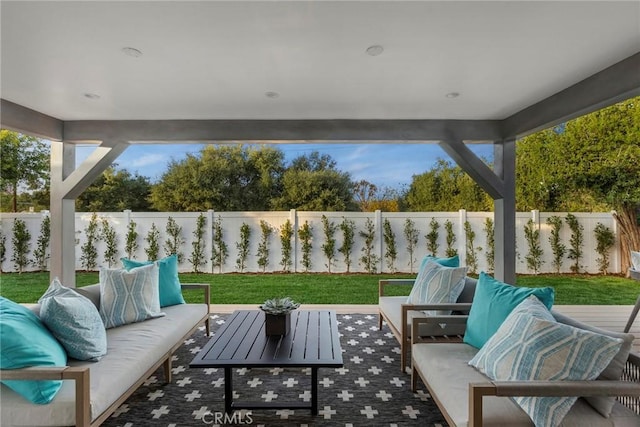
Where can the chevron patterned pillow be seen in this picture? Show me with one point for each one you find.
(531, 345)
(437, 284)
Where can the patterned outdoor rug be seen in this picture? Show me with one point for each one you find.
(369, 390)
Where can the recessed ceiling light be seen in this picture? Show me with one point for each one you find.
(374, 50)
(452, 95)
(272, 95)
(132, 51)
(91, 96)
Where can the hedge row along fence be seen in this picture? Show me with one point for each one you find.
(331, 242)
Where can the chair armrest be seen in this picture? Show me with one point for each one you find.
(78, 374)
(417, 321)
(204, 286)
(382, 283)
(544, 388)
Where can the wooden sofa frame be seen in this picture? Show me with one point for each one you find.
(81, 375)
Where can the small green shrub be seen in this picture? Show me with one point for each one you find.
(390, 253)
(286, 234)
(174, 240)
(243, 247)
(20, 240)
(41, 253)
(490, 253)
(451, 239)
(329, 246)
(432, 237)
(88, 251)
(558, 249)
(263, 246)
(606, 239)
(534, 255)
(305, 233)
(470, 249)
(576, 241)
(153, 243)
(369, 259)
(197, 245)
(411, 236)
(220, 250)
(348, 228)
(131, 240)
(110, 238)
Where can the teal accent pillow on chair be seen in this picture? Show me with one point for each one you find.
(25, 342)
(493, 302)
(170, 290)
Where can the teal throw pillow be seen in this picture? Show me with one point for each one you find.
(170, 290)
(493, 302)
(25, 342)
(75, 321)
(453, 261)
(129, 296)
(530, 345)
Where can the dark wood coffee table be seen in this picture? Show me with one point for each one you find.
(313, 342)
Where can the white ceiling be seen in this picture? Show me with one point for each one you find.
(217, 60)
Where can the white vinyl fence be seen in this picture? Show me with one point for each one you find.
(232, 221)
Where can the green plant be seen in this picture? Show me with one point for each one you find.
(20, 241)
(153, 243)
(606, 240)
(111, 240)
(391, 252)
(348, 228)
(279, 306)
(369, 259)
(197, 253)
(306, 235)
(557, 247)
(3, 247)
(286, 233)
(576, 241)
(490, 253)
(131, 240)
(534, 256)
(451, 239)
(329, 246)
(411, 236)
(243, 247)
(470, 249)
(174, 240)
(263, 246)
(220, 250)
(432, 237)
(41, 252)
(89, 253)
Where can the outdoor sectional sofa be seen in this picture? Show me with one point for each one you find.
(444, 369)
(92, 391)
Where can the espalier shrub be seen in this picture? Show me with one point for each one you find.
(348, 228)
(20, 241)
(558, 249)
(41, 253)
(605, 241)
(390, 253)
(243, 247)
(88, 251)
(470, 249)
(3, 247)
(411, 236)
(286, 233)
(153, 243)
(174, 240)
(220, 250)
(534, 255)
(305, 233)
(369, 259)
(110, 238)
(263, 247)
(576, 241)
(451, 239)
(329, 246)
(432, 237)
(131, 240)
(197, 258)
(490, 253)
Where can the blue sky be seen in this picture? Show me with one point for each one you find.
(385, 165)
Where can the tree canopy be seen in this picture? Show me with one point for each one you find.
(24, 162)
(116, 190)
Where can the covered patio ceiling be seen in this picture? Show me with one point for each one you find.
(450, 72)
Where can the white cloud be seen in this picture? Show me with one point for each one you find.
(148, 159)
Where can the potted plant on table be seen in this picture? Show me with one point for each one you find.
(278, 315)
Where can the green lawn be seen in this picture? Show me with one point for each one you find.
(335, 288)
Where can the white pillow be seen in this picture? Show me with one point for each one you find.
(530, 346)
(437, 284)
(129, 296)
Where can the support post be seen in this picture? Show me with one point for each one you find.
(505, 212)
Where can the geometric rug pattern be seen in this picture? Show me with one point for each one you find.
(370, 390)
